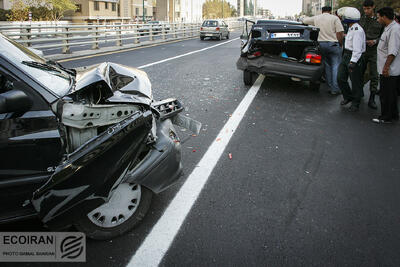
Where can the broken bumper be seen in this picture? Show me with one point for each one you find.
(279, 67)
(162, 166)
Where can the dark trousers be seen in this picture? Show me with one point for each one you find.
(354, 93)
(370, 58)
(388, 98)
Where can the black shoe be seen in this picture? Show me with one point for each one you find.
(377, 120)
(353, 108)
(335, 92)
(344, 102)
(371, 101)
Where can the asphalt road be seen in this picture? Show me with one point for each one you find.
(308, 183)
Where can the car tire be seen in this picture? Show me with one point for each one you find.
(315, 86)
(247, 77)
(227, 36)
(202, 38)
(220, 37)
(92, 226)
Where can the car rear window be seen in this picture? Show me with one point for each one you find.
(210, 23)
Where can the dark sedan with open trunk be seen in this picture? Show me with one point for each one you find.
(281, 48)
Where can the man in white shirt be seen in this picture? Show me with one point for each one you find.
(388, 66)
(330, 40)
(352, 61)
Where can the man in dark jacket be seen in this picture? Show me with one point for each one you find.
(373, 31)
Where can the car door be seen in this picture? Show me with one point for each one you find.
(30, 143)
(225, 28)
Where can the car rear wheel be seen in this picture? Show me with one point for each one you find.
(125, 209)
(220, 37)
(202, 38)
(315, 86)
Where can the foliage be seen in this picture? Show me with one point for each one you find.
(395, 4)
(250, 10)
(4, 14)
(19, 11)
(40, 9)
(58, 7)
(212, 9)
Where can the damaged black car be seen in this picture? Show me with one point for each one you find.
(83, 147)
(280, 48)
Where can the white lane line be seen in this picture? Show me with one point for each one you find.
(186, 54)
(156, 244)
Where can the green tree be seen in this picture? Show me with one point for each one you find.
(58, 7)
(4, 14)
(251, 8)
(19, 11)
(246, 8)
(212, 9)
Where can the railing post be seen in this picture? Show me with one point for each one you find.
(163, 31)
(184, 29)
(119, 37)
(66, 48)
(150, 33)
(95, 44)
(27, 35)
(136, 33)
(175, 33)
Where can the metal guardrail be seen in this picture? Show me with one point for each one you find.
(67, 36)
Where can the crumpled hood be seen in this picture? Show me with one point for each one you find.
(117, 83)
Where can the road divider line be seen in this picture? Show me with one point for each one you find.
(186, 54)
(155, 246)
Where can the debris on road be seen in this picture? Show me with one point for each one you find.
(230, 155)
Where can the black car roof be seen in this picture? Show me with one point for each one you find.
(270, 21)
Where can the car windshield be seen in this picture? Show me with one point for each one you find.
(50, 76)
(210, 23)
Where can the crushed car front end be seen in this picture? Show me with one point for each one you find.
(113, 133)
(95, 144)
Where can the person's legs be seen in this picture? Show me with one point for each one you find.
(357, 83)
(393, 110)
(373, 71)
(324, 46)
(343, 76)
(336, 58)
(384, 96)
(373, 75)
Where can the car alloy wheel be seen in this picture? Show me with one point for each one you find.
(121, 206)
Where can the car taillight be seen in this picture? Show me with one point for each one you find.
(217, 29)
(313, 58)
(255, 54)
(201, 28)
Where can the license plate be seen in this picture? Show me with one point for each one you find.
(284, 34)
(209, 35)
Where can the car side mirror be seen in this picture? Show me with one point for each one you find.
(14, 101)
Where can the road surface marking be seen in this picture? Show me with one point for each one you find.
(152, 250)
(128, 49)
(186, 54)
